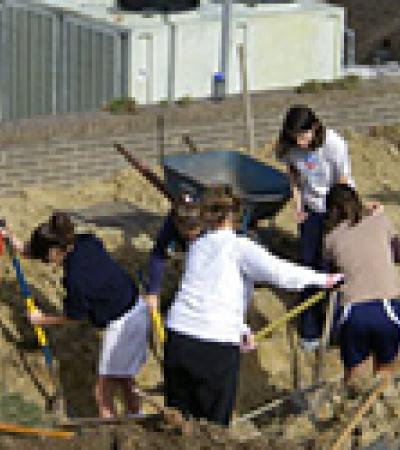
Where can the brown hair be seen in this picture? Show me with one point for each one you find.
(217, 203)
(186, 214)
(343, 205)
(58, 231)
(299, 119)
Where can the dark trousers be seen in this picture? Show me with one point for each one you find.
(311, 232)
(201, 377)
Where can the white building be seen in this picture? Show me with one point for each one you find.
(167, 57)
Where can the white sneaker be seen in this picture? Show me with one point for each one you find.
(309, 345)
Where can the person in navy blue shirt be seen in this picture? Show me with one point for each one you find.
(99, 290)
(179, 228)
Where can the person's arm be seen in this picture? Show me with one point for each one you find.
(41, 319)
(299, 212)
(159, 254)
(259, 264)
(396, 248)
(341, 160)
(392, 236)
(75, 304)
(18, 245)
(245, 332)
(327, 260)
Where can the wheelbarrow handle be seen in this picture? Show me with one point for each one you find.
(145, 171)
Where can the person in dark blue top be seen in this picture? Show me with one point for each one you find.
(99, 290)
(181, 226)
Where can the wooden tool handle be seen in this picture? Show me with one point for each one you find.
(363, 409)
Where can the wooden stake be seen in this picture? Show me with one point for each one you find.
(79, 422)
(187, 140)
(249, 121)
(294, 356)
(363, 409)
(161, 138)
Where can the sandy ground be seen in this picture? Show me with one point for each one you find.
(126, 212)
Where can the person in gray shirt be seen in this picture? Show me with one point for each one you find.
(316, 159)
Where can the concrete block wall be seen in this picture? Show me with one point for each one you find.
(52, 151)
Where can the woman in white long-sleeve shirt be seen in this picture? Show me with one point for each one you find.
(205, 322)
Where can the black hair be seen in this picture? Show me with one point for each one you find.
(299, 119)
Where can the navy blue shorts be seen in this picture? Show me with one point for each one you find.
(368, 331)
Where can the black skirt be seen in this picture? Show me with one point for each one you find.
(201, 377)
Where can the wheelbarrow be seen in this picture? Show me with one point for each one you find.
(262, 189)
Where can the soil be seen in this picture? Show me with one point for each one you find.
(126, 213)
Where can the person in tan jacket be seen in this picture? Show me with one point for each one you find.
(362, 245)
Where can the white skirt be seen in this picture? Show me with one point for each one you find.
(124, 346)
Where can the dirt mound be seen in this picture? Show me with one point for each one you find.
(127, 213)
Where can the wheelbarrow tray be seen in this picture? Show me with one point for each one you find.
(262, 189)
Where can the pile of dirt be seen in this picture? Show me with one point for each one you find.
(126, 213)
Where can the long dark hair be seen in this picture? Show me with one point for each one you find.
(299, 118)
(217, 203)
(58, 231)
(343, 204)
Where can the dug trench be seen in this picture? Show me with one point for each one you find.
(126, 213)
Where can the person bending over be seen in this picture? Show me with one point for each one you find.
(97, 289)
(365, 248)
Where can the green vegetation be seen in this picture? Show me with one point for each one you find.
(315, 86)
(125, 105)
(184, 101)
(14, 409)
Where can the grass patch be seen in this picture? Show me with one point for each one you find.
(121, 106)
(315, 86)
(15, 409)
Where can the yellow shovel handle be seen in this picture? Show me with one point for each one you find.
(39, 332)
(20, 429)
(158, 326)
(290, 315)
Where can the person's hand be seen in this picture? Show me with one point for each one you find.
(374, 207)
(151, 300)
(333, 279)
(36, 317)
(247, 342)
(5, 232)
(300, 216)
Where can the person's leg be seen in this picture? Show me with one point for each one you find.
(355, 343)
(386, 340)
(122, 354)
(225, 394)
(310, 322)
(178, 382)
(104, 392)
(131, 399)
(356, 372)
(217, 376)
